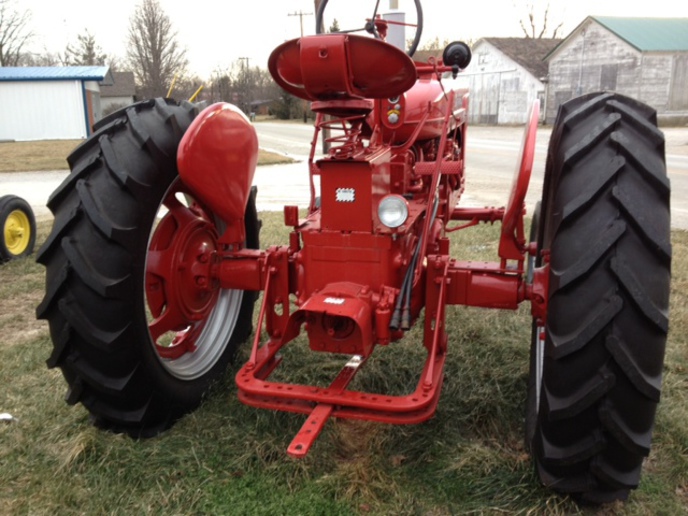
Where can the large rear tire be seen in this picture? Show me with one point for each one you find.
(137, 340)
(606, 232)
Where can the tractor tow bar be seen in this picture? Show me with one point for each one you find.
(321, 403)
(312, 427)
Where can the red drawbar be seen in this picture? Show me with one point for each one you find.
(320, 403)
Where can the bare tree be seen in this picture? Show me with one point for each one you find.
(242, 85)
(221, 85)
(185, 87)
(86, 52)
(153, 52)
(238, 84)
(433, 45)
(116, 64)
(44, 58)
(536, 29)
(14, 33)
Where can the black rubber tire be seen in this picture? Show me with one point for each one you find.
(95, 260)
(606, 225)
(320, 29)
(12, 207)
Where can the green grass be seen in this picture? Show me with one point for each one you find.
(227, 458)
(52, 155)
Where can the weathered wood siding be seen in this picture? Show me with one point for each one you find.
(595, 59)
(501, 91)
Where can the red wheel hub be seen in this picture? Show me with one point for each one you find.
(181, 277)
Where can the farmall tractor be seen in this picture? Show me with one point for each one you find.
(153, 264)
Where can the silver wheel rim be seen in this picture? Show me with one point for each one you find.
(217, 330)
(539, 363)
(212, 341)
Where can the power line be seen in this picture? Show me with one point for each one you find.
(300, 14)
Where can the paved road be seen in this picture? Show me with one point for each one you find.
(492, 156)
(491, 161)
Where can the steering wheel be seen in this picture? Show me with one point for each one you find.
(371, 26)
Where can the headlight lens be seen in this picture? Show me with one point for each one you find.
(393, 211)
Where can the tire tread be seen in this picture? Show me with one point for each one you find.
(606, 226)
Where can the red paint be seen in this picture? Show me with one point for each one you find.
(217, 159)
(344, 279)
(181, 282)
(512, 242)
(341, 66)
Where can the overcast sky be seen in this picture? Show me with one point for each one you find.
(216, 34)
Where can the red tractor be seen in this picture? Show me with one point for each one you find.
(153, 264)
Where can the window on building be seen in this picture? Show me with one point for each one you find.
(678, 93)
(608, 77)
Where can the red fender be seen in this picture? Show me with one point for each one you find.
(217, 160)
(512, 242)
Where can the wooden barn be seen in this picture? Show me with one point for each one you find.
(49, 103)
(644, 58)
(505, 77)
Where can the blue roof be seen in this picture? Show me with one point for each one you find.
(53, 73)
(649, 34)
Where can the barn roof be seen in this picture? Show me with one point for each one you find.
(527, 52)
(649, 34)
(53, 73)
(644, 34)
(123, 85)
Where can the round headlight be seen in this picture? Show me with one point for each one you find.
(393, 211)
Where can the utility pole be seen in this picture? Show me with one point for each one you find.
(300, 14)
(245, 86)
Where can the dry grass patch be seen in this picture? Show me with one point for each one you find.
(39, 155)
(52, 155)
(272, 158)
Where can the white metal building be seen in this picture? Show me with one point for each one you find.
(49, 103)
(505, 77)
